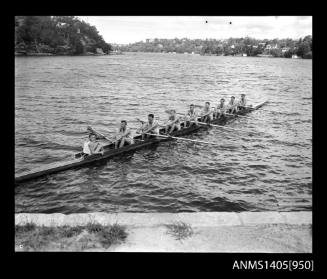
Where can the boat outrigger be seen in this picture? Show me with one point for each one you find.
(110, 151)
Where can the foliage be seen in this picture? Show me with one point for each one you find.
(112, 235)
(308, 55)
(231, 46)
(28, 227)
(57, 34)
(288, 54)
(179, 230)
(304, 47)
(30, 237)
(276, 52)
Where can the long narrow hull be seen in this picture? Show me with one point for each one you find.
(111, 152)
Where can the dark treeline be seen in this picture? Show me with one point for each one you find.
(57, 35)
(232, 46)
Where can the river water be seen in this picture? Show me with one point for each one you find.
(266, 165)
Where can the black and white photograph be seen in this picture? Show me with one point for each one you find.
(163, 133)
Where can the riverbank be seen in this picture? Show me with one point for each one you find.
(210, 54)
(268, 232)
(64, 54)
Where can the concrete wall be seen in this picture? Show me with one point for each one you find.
(197, 219)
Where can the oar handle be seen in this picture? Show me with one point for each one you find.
(105, 137)
(96, 132)
(138, 119)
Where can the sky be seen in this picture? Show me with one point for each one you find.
(131, 29)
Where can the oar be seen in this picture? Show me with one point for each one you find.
(220, 126)
(92, 130)
(252, 108)
(271, 111)
(138, 119)
(213, 125)
(241, 116)
(178, 138)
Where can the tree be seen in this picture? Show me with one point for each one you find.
(57, 33)
(276, 52)
(303, 48)
(30, 29)
(308, 55)
(288, 54)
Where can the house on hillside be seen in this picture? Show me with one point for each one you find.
(284, 49)
(61, 24)
(99, 51)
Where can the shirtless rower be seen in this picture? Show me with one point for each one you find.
(124, 135)
(220, 109)
(152, 127)
(232, 105)
(173, 122)
(206, 114)
(191, 116)
(242, 103)
(92, 146)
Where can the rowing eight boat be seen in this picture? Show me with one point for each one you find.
(110, 151)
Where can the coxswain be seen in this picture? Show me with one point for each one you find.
(124, 135)
(220, 110)
(151, 127)
(241, 103)
(173, 122)
(206, 114)
(191, 116)
(92, 146)
(232, 105)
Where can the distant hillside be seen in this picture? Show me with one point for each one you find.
(57, 35)
(233, 46)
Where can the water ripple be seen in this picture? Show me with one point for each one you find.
(262, 165)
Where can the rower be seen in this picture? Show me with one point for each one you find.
(191, 115)
(241, 105)
(124, 135)
(232, 106)
(152, 127)
(206, 114)
(92, 146)
(173, 122)
(220, 109)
